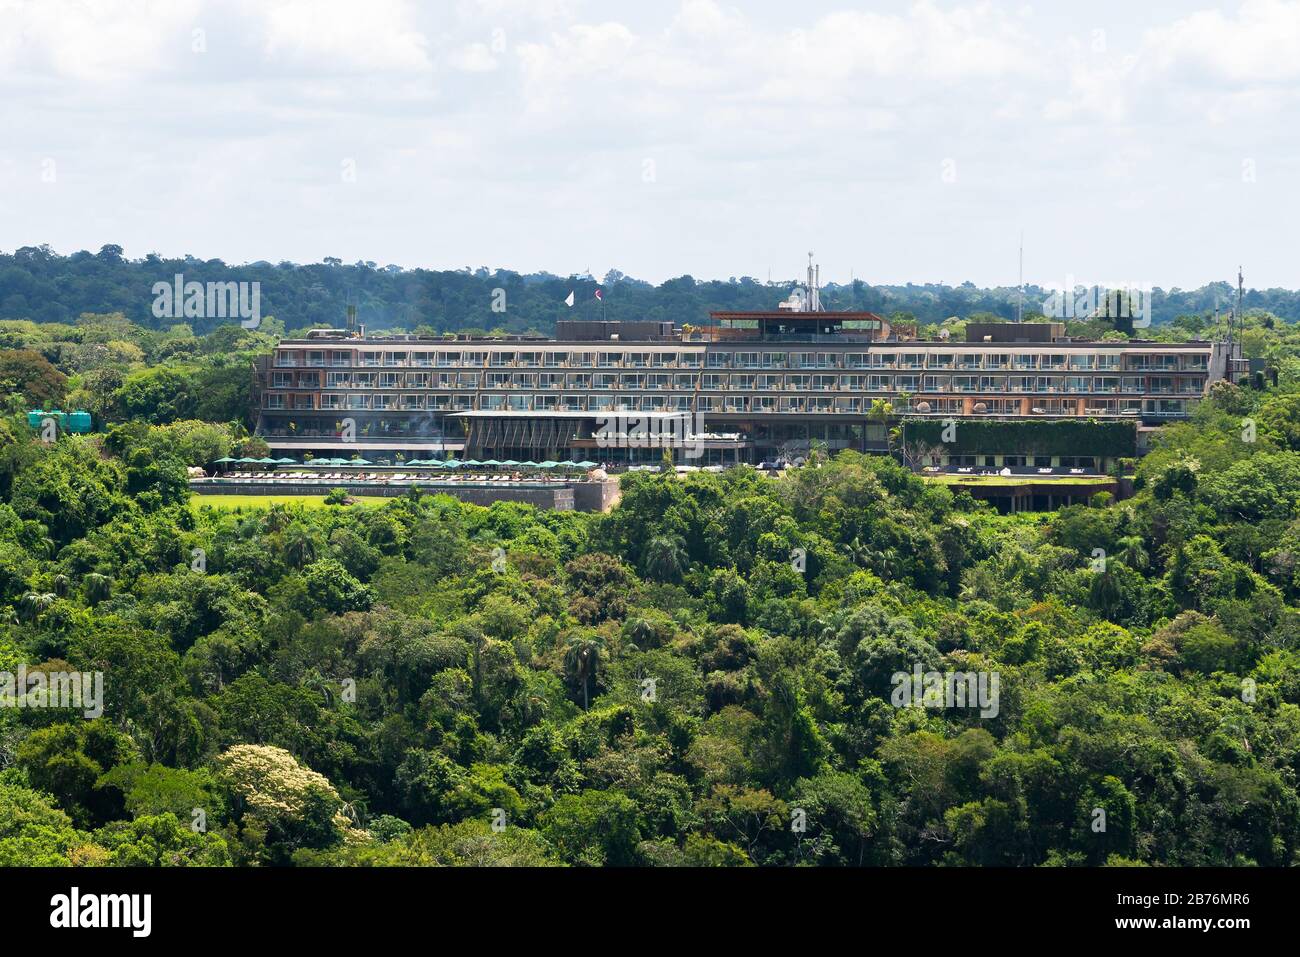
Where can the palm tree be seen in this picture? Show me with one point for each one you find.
(581, 662)
(34, 604)
(98, 588)
(665, 558)
(299, 545)
(1132, 552)
(61, 585)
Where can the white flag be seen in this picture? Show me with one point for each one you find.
(569, 301)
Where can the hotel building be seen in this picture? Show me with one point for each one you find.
(751, 386)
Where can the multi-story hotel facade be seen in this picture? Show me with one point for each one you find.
(752, 386)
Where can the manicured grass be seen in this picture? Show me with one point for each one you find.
(998, 480)
(266, 501)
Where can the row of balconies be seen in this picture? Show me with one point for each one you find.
(714, 361)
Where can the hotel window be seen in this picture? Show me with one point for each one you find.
(530, 359)
(394, 358)
(747, 360)
(940, 360)
(556, 360)
(764, 403)
(546, 402)
(338, 380)
(383, 402)
(911, 360)
(286, 359)
(274, 401)
(499, 359)
(735, 403)
(855, 360)
(390, 380)
(582, 360)
(691, 360)
(969, 361)
(316, 359)
(1025, 360)
(417, 380)
(410, 402)
(794, 403)
(718, 360)
(936, 383)
(906, 383)
(633, 381)
(422, 360)
(879, 383)
(493, 403)
(799, 382)
(606, 380)
(601, 402)
(1082, 363)
(552, 380)
(575, 403)
(519, 403)
(1134, 384)
(524, 380)
(745, 382)
(997, 360)
(637, 360)
(498, 380)
(610, 360)
(774, 360)
(663, 360)
(578, 380)
(705, 403)
(1107, 363)
(340, 359)
(714, 382)
(1107, 384)
(331, 402)
(448, 359)
(964, 383)
(853, 383)
(358, 401)
(364, 380)
(824, 382)
(993, 383)
(1078, 383)
(441, 403)
(684, 381)
(1046, 383)
(462, 403)
(282, 380)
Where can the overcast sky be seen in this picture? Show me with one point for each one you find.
(1148, 141)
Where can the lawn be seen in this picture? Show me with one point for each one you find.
(266, 501)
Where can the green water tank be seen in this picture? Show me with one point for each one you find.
(34, 418)
(80, 422)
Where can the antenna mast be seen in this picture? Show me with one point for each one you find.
(1020, 298)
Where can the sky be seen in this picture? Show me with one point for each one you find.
(1152, 142)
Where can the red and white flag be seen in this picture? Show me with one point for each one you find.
(568, 300)
(600, 295)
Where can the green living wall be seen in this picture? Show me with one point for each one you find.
(996, 437)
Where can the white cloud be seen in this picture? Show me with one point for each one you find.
(1257, 45)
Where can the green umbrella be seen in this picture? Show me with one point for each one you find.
(360, 462)
(549, 465)
(247, 461)
(286, 461)
(490, 462)
(471, 463)
(510, 463)
(450, 464)
(222, 461)
(528, 465)
(586, 465)
(266, 461)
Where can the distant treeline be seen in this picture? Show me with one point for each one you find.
(38, 284)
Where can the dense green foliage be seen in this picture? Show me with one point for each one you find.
(38, 284)
(682, 681)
